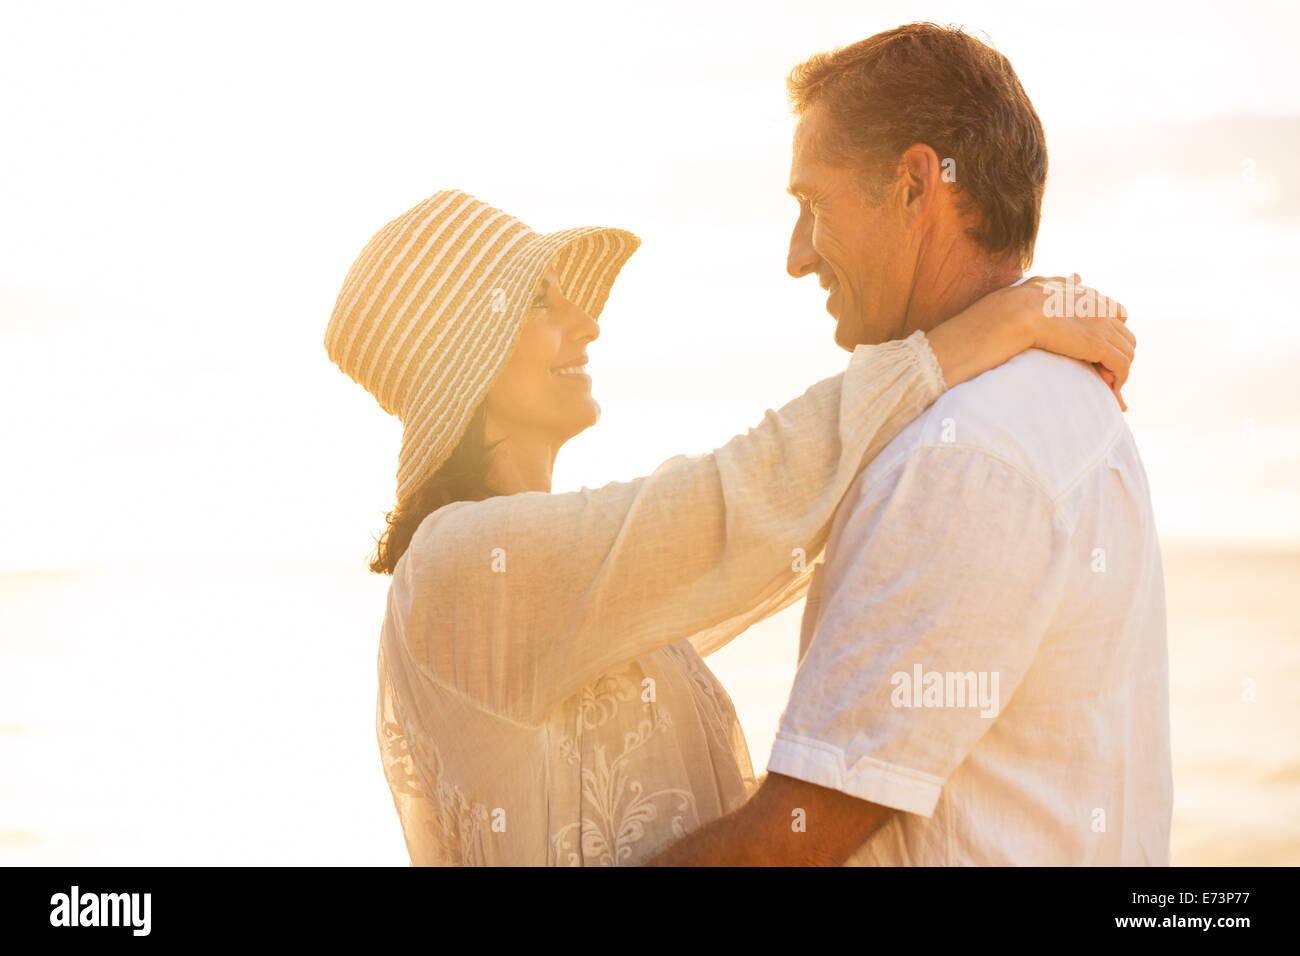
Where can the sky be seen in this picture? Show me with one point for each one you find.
(184, 187)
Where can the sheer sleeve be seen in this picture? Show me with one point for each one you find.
(519, 601)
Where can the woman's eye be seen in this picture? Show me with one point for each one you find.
(539, 302)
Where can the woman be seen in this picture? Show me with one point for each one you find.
(542, 698)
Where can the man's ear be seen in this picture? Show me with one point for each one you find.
(919, 172)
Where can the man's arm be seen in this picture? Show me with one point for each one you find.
(787, 822)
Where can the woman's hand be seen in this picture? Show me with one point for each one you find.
(1039, 313)
(1099, 335)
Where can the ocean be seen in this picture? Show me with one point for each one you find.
(222, 713)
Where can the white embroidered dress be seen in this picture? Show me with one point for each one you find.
(542, 697)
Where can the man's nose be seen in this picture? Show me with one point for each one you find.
(802, 258)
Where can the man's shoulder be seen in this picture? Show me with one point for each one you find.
(1044, 415)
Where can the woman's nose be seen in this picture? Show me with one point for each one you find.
(582, 326)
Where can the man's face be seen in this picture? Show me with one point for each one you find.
(859, 252)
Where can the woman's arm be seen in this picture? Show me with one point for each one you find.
(519, 601)
(1006, 322)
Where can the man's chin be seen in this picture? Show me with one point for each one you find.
(850, 334)
(845, 338)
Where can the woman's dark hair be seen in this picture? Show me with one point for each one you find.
(462, 477)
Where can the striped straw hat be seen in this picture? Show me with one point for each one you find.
(433, 306)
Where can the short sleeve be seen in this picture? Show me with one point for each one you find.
(940, 584)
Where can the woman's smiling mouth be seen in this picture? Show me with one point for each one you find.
(577, 373)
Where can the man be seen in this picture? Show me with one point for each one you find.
(983, 671)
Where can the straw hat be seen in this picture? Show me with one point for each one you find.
(433, 306)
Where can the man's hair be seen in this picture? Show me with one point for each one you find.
(925, 83)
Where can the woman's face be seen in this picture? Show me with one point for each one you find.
(544, 385)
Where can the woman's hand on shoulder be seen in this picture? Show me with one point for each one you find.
(1069, 318)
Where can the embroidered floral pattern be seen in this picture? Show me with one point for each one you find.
(414, 767)
(595, 704)
(616, 808)
(401, 773)
(598, 702)
(617, 801)
(462, 819)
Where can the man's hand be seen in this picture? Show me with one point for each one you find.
(787, 822)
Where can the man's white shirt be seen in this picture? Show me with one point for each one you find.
(984, 647)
